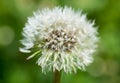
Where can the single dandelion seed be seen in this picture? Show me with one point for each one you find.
(63, 39)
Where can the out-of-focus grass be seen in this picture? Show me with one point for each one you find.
(14, 68)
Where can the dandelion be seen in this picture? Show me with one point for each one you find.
(62, 38)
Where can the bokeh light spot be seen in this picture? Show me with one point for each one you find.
(6, 35)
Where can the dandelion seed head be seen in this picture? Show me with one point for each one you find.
(63, 38)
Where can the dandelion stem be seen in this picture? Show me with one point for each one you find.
(57, 76)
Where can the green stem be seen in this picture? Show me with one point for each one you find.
(57, 76)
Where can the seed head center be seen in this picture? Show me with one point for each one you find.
(60, 40)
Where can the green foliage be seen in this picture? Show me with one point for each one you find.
(14, 68)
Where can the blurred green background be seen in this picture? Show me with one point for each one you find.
(14, 68)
